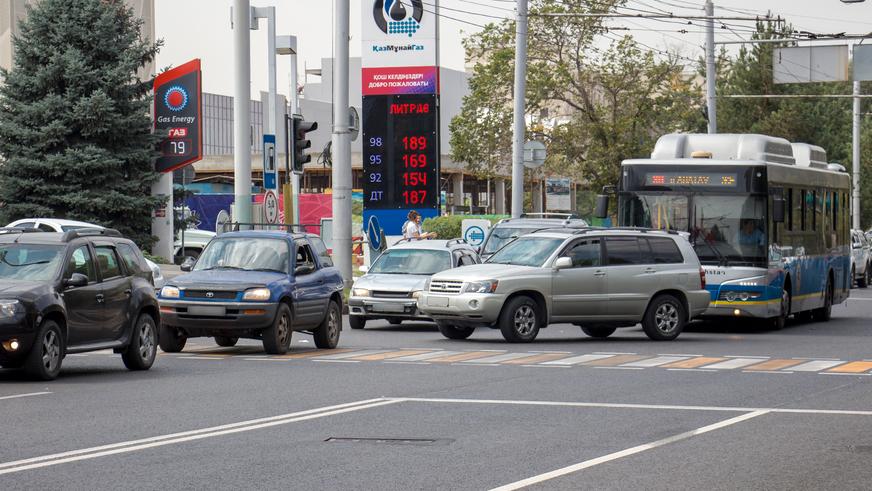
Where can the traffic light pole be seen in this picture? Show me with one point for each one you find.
(288, 197)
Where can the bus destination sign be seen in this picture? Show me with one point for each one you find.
(691, 179)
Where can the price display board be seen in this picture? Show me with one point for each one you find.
(400, 152)
(178, 117)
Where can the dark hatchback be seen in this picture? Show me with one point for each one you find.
(255, 284)
(83, 290)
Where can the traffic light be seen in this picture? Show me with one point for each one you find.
(300, 142)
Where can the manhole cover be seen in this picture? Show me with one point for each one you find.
(391, 441)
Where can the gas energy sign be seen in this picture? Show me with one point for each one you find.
(178, 117)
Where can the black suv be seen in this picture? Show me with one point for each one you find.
(82, 290)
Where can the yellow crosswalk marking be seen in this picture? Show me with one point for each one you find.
(853, 367)
(536, 358)
(774, 365)
(389, 355)
(614, 361)
(463, 356)
(694, 362)
(311, 353)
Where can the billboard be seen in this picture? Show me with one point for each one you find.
(807, 64)
(178, 117)
(557, 195)
(400, 120)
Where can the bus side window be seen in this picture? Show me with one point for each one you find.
(835, 210)
(802, 208)
(814, 210)
(789, 226)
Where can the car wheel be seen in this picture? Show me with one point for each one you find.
(779, 322)
(520, 320)
(171, 339)
(853, 276)
(601, 332)
(327, 334)
(192, 253)
(395, 321)
(664, 319)
(454, 332)
(863, 282)
(45, 357)
(277, 337)
(226, 341)
(356, 321)
(824, 313)
(142, 349)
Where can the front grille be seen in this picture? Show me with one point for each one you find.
(386, 294)
(449, 287)
(210, 294)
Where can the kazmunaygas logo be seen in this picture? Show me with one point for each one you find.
(401, 17)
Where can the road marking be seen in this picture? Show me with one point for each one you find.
(655, 362)
(612, 353)
(767, 371)
(536, 359)
(469, 355)
(196, 357)
(773, 365)
(186, 436)
(690, 370)
(854, 367)
(500, 358)
(312, 353)
(460, 364)
(19, 396)
(694, 362)
(336, 361)
(816, 366)
(614, 361)
(627, 452)
(678, 354)
(621, 368)
(427, 356)
(575, 360)
(733, 363)
(389, 355)
(546, 366)
(353, 354)
(407, 362)
(848, 374)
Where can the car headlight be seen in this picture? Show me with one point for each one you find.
(416, 294)
(8, 308)
(487, 286)
(257, 294)
(169, 292)
(360, 292)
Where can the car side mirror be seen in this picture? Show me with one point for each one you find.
(602, 206)
(76, 280)
(187, 265)
(563, 263)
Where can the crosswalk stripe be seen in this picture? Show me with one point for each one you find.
(853, 367)
(575, 360)
(539, 358)
(352, 354)
(614, 361)
(427, 356)
(500, 358)
(655, 362)
(773, 365)
(694, 362)
(312, 353)
(733, 363)
(816, 365)
(389, 355)
(469, 355)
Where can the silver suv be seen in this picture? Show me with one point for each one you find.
(861, 259)
(509, 229)
(599, 279)
(389, 290)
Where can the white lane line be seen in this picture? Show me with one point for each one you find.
(747, 356)
(575, 360)
(427, 356)
(766, 371)
(655, 362)
(733, 364)
(407, 362)
(499, 358)
(352, 354)
(19, 396)
(186, 436)
(621, 368)
(849, 374)
(546, 366)
(690, 370)
(336, 361)
(555, 352)
(625, 453)
(679, 354)
(612, 353)
(459, 364)
(201, 357)
(816, 365)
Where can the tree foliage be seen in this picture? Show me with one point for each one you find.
(75, 130)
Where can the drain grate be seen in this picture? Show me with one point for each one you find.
(391, 441)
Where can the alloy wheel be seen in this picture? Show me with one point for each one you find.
(51, 351)
(146, 341)
(283, 330)
(666, 318)
(525, 320)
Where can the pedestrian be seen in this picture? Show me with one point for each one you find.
(412, 228)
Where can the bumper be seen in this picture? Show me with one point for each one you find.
(377, 308)
(465, 309)
(698, 303)
(206, 318)
(16, 329)
(744, 309)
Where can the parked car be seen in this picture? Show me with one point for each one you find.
(255, 284)
(509, 229)
(194, 243)
(599, 279)
(390, 288)
(72, 292)
(861, 258)
(61, 226)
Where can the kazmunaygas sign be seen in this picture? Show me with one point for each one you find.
(399, 47)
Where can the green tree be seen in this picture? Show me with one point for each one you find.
(75, 130)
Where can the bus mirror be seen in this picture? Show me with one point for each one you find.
(602, 206)
(778, 209)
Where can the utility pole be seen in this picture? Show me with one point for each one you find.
(341, 144)
(710, 70)
(856, 165)
(241, 116)
(519, 128)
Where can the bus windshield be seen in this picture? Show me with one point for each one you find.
(724, 230)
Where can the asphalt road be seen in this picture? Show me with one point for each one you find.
(729, 406)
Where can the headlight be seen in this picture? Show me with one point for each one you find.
(169, 292)
(360, 292)
(416, 294)
(8, 308)
(487, 286)
(257, 294)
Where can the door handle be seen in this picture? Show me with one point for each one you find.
(99, 298)
(599, 273)
(650, 270)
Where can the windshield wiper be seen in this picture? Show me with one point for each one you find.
(722, 260)
(222, 267)
(273, 270)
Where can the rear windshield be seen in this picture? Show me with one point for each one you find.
(412, 261)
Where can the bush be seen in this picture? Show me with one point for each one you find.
(451, 226)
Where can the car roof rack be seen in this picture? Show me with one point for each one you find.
(455, 242)
(90, 232)
(290, 228)
(565, 216)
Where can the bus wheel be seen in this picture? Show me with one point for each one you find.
(824, 313)
(779, 322)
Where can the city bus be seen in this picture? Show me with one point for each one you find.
(768, 219)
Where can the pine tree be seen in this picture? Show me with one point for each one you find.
(75, 129)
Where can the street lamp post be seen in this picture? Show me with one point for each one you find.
(241, 116)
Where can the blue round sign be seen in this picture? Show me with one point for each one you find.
(474, 235)
(373, 232)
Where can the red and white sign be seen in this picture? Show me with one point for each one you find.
(271, 207)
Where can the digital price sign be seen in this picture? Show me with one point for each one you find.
(691, 179)
(400, 152)
(178, 116)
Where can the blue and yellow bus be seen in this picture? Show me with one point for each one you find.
(768, 219)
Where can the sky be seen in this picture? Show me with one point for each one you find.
(201, 29)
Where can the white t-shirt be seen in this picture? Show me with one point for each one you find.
(411, 230)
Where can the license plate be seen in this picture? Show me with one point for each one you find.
(437, 301)
(206, 310)
(388, 307)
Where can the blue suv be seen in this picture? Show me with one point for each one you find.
(254, 284)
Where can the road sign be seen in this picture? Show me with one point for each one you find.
(222, 218)
(271, 207)
(534, 154)
(475, 231)
(178, 117)
(269, 163)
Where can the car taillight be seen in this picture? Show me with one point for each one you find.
(702, 277)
